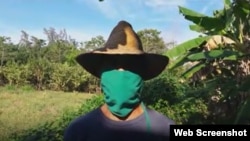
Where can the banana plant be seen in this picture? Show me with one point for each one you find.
(220, 57)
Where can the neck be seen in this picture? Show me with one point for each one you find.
(137, 111)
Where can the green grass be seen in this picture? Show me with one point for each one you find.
(24, 108)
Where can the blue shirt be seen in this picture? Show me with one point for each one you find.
(95, 126)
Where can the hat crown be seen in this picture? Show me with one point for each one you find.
(123, 49)
(122, 40)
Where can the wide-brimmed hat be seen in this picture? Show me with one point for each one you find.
(123, 49)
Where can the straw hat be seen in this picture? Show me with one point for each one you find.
(123, 49)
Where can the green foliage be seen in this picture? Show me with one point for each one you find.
(203, 23)
(243, 113)
(39, 71)
(66, 78)
(180, 52)
(151, 41)
(15, 74)
(175, 99)
(214, 54)
(94, 43)
(185, 47)
(50, 64)
(219, 60)
(8, 51)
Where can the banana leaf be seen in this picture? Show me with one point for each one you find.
(208, 23)
(180, 61)
(214, 54)
(244, 5)
(190, 72)
(185, 47)
(197, 28)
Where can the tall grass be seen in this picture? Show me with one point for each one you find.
(24, 108)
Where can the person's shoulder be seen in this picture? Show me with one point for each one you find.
(160, 123)
(158, 116)
(84, 120)
(82, 123)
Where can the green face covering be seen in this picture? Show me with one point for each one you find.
(121, 90)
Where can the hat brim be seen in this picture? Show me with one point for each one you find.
(146, 65)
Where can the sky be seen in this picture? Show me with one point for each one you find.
(85, 19)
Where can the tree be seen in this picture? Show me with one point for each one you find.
(220, 57)
(151, 41)
(24, 41)
(7, 50)
(94, 43)
(3, 50)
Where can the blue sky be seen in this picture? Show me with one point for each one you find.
(84, 19)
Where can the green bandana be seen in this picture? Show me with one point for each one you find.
(121, 90)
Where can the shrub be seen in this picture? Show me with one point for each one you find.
(175, 99)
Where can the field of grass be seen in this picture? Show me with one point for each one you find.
(22, 109)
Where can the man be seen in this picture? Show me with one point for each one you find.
(122, 67)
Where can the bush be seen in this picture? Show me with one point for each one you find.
(175, 99)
